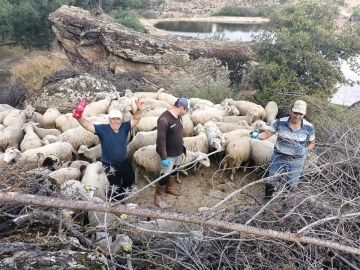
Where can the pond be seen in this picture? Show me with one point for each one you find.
(346, 95)
(204, 30)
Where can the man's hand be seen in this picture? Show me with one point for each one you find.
(139, 105)
(303, 151)
(254, 135)
(165, 162)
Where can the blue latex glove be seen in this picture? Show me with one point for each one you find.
(165, 162)
(254, 135)
(303, 151)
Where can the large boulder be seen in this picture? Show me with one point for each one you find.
(168, 60)
(65, 94)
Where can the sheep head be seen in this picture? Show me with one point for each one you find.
(199, 128)
(202, 158)
(82, 149)
(11, 154)
(217, 143)
(226, 101)
(29, 111)
(231, 110)
(50, 161)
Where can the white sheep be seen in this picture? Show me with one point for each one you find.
(194, 101)
(237, 152)
(141, 95)
(75, 136)
(153, 103)
(14, 116)
(3, 114)
(42, 132)
(188, 125)
(65, 122)
(198, 142)
(227, 127)
(261, 152)
(12, 135)
(92, 153)
(33, 158)
(146, 124)
(215, 137)
(244, 106)
(2, 127)
(271, 110)
(169, 98)
(53, 162)
(99, 119)
(234, 135)
(37, 118)
(4, 107)
(73, 189)
(94, 177)
(31, 139)
(147, 158)
(99, 107)
(64, 174)
(203, 116)
(49, 117)
(157, 111)
(141, 139)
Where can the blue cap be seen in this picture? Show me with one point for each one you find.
(184, 103)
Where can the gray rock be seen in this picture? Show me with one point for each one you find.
(65, 94)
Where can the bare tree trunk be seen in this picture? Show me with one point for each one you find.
(194, 219)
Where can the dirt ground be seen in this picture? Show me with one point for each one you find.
(205, 189)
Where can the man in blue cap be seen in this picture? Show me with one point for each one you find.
(169, 145)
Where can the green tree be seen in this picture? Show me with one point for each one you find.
(300, 52)
(26, 21)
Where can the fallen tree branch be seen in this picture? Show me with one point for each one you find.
(194, 219)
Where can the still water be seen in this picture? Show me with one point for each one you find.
(204, 30)
(346, 95)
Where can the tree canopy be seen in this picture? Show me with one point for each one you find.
(26, 21)
(301, 50)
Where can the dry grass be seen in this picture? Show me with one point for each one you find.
(36, 68)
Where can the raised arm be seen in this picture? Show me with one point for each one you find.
(137, 115)
(86, 124)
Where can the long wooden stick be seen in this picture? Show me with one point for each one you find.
(194, 219)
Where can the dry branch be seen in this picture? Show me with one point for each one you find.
(249, 230)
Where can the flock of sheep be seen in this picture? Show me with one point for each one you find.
(46, 144)
(28, 137)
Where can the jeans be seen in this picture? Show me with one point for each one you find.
(121, 174)
(285, 164)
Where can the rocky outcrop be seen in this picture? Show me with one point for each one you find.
(65, 94)
(166, 59)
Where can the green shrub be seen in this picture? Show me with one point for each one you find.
(130, 20)
(215, 91)
(266, 11)
(244, 11)
(230, 11)
(356, 14)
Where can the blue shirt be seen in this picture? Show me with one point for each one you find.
(290, 141)
(113, 145)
